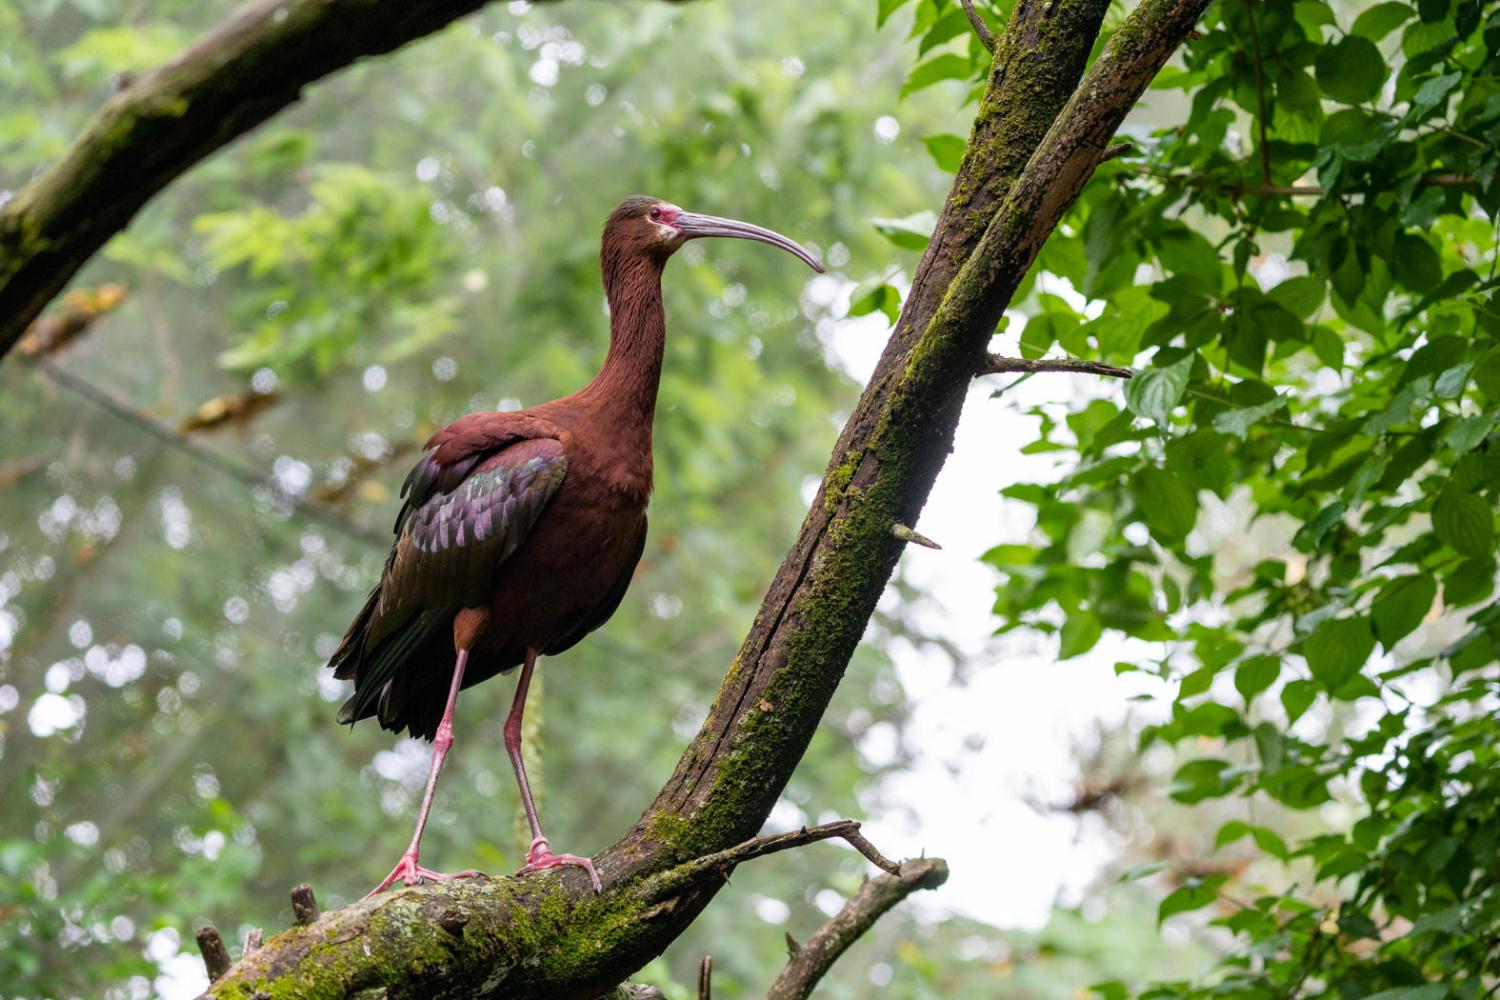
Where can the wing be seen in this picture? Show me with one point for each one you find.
(471, 500)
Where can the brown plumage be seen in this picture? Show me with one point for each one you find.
(520, 531)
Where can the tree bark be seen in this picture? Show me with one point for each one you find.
(1032, 148)
(234, 78)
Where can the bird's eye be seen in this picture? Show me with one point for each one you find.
(656, 213)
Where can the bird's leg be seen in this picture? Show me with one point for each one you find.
(540, 856)
(407, 870)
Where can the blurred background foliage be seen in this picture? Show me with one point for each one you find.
(1282, 531)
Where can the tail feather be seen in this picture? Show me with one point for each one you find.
(345, 660)
(386, 678)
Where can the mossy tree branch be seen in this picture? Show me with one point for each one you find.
(238, 75)
(1036, 139)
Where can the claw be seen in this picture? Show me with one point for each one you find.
(540, 858)
(408, 871)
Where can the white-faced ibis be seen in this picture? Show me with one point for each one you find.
(521, 530)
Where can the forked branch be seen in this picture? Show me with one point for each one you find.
(812, 959)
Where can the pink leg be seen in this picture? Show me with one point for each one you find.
(540, 856)
(407, 870)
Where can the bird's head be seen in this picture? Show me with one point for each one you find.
(652, 227)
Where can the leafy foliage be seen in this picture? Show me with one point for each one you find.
(1302, 268)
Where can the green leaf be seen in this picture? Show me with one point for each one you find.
(1169, 506)
(1300, 295)
(1337, 649)
(1400, 607)
(947, 27)
(1351, 70)
(944, 67)
(1154, 392)
(1381, 19)
(947, 150)
(1415, 264)
(1470, 582)
(1486, 376)
(1146, 870)
(1196, 683)
(1467, 433)
(1349, 274)
(1329, 347)
(882, 298)
(1230, 832)
(1238, 422)
(1193, 896)
(1079, 634)
(1270, 841)
(1199, 779)
(1265, 838)
(1255, 675)
(1435, 92)
(1311, 534)
(1451, 383)
(1297, 697)
(1464, 521)
(886, 9)
(910, 233)
(1432, 11)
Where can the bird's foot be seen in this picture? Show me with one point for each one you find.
(540, 858)
(408, 871)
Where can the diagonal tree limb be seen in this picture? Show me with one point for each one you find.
(550, 936)
(238, 75)
(815, 956)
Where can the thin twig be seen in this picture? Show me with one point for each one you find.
(906, 534)
(215, 955)
(1115, 149)
(812, 960)
(986, 38)
(706, 978)
(673, 881)
(995, 364)
(845, 829)
(859, 843)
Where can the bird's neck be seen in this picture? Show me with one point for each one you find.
(623, 394)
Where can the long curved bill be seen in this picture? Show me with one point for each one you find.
(694, 226)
